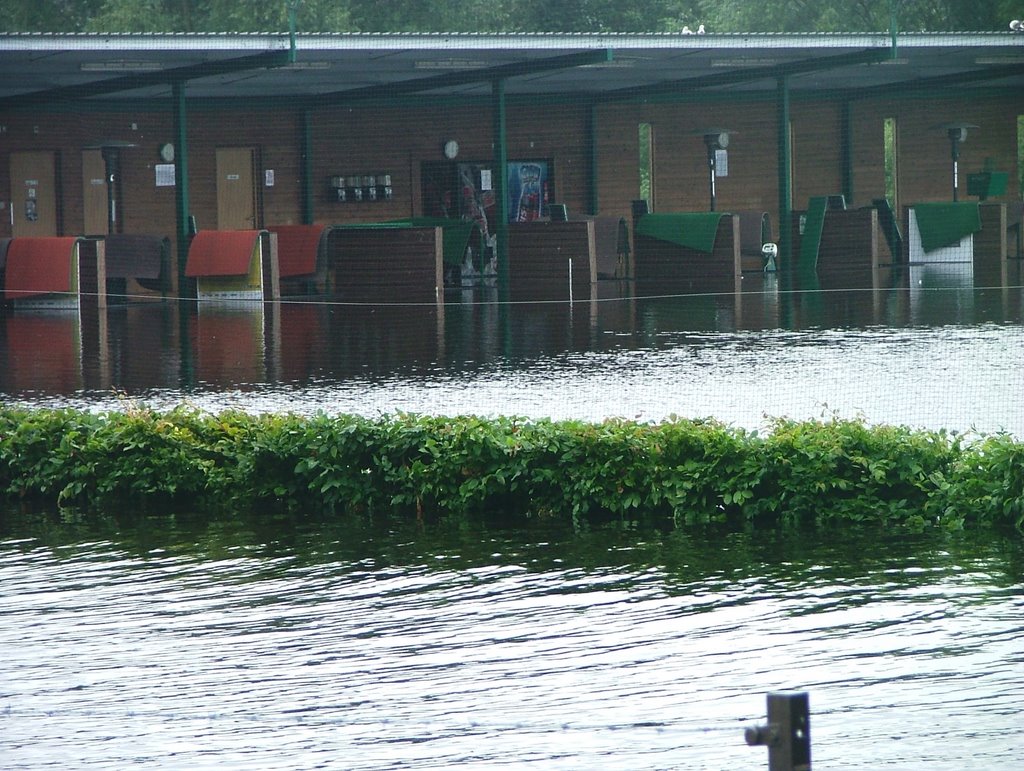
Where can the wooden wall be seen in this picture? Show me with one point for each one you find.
(397, 140)
(681, 175)
(924, 164)
(147, 208)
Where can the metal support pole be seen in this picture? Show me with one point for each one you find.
(306, 139)
(711, 177)
(293, 6)
(846, 144)
(787, 734)
(955, 144)
(500, 182)
(893, 28)
(784, 172)
(181, 198)
(593, 203)
(112, 170)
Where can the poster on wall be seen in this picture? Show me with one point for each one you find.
(476, 200)
(467, 190)
(529, 190)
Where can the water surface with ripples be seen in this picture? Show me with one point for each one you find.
(319, 645)
(176, 643)
(943, 357)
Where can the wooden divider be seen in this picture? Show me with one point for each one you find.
(848, 248)
(234, 265)
(541, 254)
(386, 264)
(990, 243)
(55, 272)
(664, 266)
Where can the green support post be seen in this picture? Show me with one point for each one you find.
(593, 203)
(308, 209)
(181, 202)
(846, 142)
(293, 6)
(500, 183)
(893, 27)
(785, 171)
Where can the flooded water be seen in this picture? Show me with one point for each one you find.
(932, 348)
(298, 646)
(173, 643)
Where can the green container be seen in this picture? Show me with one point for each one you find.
(987, 183)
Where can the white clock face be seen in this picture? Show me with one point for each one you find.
(167, 152)
(451, 148)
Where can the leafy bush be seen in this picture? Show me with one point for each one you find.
(677, 472)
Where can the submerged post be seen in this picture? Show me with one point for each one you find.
(787, 734)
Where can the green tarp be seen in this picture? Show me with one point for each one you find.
(694, 230)
(456, 235)
(810, 241)
(942, 224)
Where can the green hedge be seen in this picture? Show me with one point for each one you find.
(675, 472)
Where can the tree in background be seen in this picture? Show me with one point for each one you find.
(604, 15)
(594, 16)
(46, 15)
(436, 16)
(216, 16)
(860, 15)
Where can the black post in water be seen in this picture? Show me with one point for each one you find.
(787, 734)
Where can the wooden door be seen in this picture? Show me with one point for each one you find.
(34, 194)
(94, 192)
(236, 190)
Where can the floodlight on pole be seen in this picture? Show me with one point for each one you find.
(716, 140)
(957, 133)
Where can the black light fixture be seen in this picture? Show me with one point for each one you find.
(716, 140)
(957, 133)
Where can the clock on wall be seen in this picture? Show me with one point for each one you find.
(167, 152)
(451, 149)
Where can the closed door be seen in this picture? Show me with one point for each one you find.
(236, 191)
(94, 192)
(33, 194)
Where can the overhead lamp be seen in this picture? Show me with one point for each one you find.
(746, 61)
(121, 65)
(446, 64)
(1000, 60)
(957, 133)
(315, 65)
(616, 63)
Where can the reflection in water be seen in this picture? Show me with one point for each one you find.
(43, 351)
(265, 645)
(927, 345)
(229, 340)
